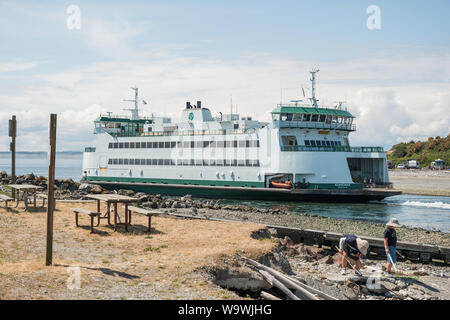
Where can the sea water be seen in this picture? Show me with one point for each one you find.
(429, 212)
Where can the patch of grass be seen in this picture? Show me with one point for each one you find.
(148, 237)
(105, 261)
(156, 249)
(150, 248)
(416, 278)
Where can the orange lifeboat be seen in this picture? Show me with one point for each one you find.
(283, 185)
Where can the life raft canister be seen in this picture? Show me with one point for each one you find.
(284, 185)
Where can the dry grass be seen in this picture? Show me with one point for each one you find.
(117, 265)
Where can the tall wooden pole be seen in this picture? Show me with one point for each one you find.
(51, 189)
(12, 148)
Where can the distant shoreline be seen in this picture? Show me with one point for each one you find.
(41, 152)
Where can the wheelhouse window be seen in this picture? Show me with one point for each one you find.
(286, 117)
(289, 140)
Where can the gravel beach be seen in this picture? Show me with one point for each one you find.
(305, 221)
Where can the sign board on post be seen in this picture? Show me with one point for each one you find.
(13, 127)
(12, 148)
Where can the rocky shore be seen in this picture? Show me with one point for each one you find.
(65, 189)
(280, 215)
(320, 269)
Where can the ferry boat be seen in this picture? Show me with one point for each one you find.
(302, 154)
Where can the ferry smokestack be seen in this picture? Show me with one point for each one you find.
(199, 104)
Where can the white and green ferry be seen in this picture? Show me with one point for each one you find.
(303, 154)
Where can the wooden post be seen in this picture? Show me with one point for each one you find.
(51, 189)
(12, 148)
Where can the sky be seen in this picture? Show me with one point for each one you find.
(394, 78)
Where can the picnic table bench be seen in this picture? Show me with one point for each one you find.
(92, 214)
(29, 194)
(148, 213)
(5, 198)
(111, 200)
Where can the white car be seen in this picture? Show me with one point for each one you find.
(401, 166)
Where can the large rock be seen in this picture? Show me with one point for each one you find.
(240, 279)
(91, 188)
(176, 204)
(126, 192)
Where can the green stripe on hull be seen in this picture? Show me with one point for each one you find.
(218, 183)
(240, 193)
(334, 186)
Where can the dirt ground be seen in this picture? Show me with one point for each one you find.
(117, 265)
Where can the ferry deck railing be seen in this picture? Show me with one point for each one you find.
(316, 125)
(333, 149)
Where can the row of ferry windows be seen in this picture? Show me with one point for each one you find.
(312, 118)
(322, 143)
(185, 144)
(185, 162)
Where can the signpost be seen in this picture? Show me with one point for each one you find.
(12, 148)
(51, 189)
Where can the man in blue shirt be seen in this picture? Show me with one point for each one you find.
(390, 243)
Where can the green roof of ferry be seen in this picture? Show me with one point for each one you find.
(311, 110)
(112, 119)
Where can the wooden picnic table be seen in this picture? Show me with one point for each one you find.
(113, 199)
(29, 194)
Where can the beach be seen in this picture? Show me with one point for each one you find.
(188, 258)
(421, 182)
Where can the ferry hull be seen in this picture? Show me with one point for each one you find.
(245, 193)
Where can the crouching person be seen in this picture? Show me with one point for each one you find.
(352, 249)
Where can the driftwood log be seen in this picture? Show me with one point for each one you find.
(268, 296)
(304, 291)
(274, 282)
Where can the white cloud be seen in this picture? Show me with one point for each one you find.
(16, 66)
(392, 103)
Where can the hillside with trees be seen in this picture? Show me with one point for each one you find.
(423, 151)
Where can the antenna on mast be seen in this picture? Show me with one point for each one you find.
(313, 87)
(296, 102)
(135, 111)
(231, 105)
